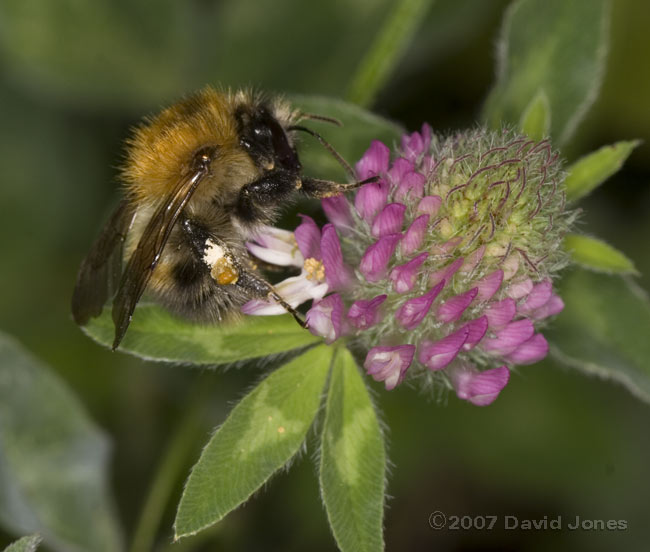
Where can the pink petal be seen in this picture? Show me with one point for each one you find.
(428, 164)
(447, 247)
(389, 220)
(473, 259)
(411, 186)
(274, 256)
(365, 313)
(489, 285)
(374, 161)
(414, 145)
(404, 276)
(270, 236)
(413, 311)
(295, 291)
(500, 313)
(308, 237)
(477, 329)
(325, 318)
(427, 134)
(452, 309)
(338, 211)
(429, 205)
(374, 262)
(370, 199)
(479, 388)
(520, 288)
(337, 274)
(510, 267)
(389, 364)
(509, 338)
(446, 272)
(538, 297)
(275, 246)
(554, 306)
(435, 356)
(401, 167)
(530, 351)
(414, 235)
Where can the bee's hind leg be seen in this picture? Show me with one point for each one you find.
(227, 269)
(260, 288)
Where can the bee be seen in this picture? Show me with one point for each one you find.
(200, 178)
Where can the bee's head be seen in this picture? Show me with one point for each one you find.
(262, 135)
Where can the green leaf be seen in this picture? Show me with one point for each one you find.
(353, 461)
(53, 459)
(360, 127)
(597, 255)
(536, 119)
(387, 49)
(592, 170)
(260, 436)
(604, 329)
(154, 334)
(26, 544)
(552, 45)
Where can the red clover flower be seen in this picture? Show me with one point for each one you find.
(442, 268)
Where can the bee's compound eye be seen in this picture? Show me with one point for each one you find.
(245, 143)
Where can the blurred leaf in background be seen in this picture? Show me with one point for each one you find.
(540, 52)
(604, 329)
(26, 544)
(53, 460)
(123, 54)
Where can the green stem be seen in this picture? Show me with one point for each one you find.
(166, 476)
(387, 49)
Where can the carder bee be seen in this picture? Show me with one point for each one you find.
(199, 179)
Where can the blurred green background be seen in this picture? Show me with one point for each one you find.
(76, 76)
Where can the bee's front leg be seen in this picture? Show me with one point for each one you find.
(318, 188)
(259, 201)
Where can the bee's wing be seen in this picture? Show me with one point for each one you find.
(101, 270)
(145, 258)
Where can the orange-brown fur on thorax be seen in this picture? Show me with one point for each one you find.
(159, 152)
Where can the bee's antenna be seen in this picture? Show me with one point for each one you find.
(323, 118)
(346, 166)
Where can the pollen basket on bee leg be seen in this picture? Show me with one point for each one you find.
(222, 269)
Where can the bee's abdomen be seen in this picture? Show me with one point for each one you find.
(189, 274)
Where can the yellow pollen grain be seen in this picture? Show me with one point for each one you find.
(315, 269)
(224, 273)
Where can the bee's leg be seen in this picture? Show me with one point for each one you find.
(258, 201)
(315, 187)
(213, 252)
(257, 286)
(226, 269)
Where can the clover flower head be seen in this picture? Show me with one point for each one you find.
(443, 268)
